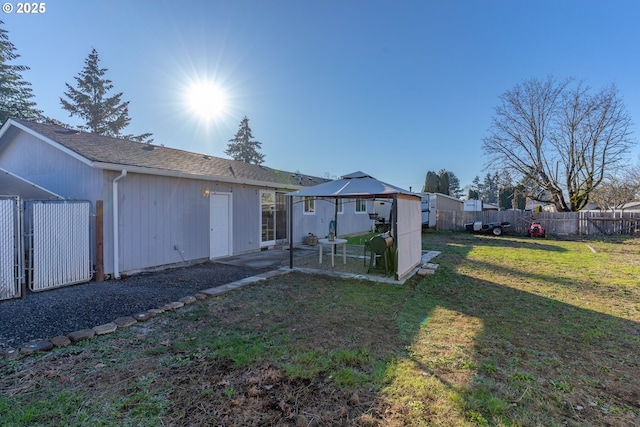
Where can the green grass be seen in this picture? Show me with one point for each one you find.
(508, 332)
(361, 238)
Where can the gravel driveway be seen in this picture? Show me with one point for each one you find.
(43, 315)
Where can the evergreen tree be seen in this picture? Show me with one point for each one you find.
(454, 185)
(475, 191)
(102, 114)
(520, 197)
(473, 194)
(444, 184)
(505, 197)
(431, 183)
(506, 190)
(15, 93)
(243, 147)
(490, 189)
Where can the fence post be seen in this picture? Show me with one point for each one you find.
(99, 241)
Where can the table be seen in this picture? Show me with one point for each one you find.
(333, 244)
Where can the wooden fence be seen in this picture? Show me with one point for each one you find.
(558, 223)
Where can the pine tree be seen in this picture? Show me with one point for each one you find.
(102, 114)
(490, 189)
(444, 184)
(243, 147)
(15, 93)
(454, 185)
(476, 189)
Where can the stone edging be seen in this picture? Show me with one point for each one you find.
(44, 345)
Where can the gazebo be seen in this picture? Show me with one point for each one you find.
(405, 221)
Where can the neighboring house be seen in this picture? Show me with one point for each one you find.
(534, 205)
(627, 207)
(164, 206)
(631, 207)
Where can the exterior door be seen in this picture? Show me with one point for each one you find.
(220, 225)
(281, 217)
(267, 218)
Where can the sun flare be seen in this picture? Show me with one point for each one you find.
(207, 100)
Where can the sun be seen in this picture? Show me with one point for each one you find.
(207, 100)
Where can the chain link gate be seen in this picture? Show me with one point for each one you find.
(58, 243)
(11, 253)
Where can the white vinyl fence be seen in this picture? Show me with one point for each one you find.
(11, 254)
(59, 253)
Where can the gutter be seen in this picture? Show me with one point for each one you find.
(116, 231)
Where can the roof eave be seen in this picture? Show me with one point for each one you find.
(49, 141)
(178, 174)
(141, 169)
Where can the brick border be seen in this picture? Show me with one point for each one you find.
(44, 345)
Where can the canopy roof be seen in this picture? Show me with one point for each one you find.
(354, 185)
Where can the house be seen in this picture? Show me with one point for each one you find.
(162, 206)
(631, 207)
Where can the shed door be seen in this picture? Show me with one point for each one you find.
(220, 225)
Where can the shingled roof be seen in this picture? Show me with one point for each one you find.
(104, 152)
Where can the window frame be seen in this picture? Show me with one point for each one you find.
(359, 204)
(309, 205)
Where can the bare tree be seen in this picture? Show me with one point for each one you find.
(616, 191)
(562, 138)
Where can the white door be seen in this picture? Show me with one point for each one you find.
(220, 225)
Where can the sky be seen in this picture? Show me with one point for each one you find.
(390, 88)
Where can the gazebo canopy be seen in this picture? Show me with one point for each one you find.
(354, 185)
(406, 225)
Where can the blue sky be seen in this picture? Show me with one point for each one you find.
(392, 88)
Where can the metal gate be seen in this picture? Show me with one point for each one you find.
(11, 253)
(58, 243)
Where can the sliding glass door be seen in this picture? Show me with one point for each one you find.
(273, 217)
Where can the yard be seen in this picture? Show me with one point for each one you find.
(509, 331)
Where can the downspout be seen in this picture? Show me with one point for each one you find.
(116, 234)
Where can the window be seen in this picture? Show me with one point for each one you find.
(361, 205)
(309, 205)
(340, 210)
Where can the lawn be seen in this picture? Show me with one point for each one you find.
(508, 332)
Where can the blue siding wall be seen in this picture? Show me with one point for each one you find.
(349, 222)
(42, 164)
(162, 220)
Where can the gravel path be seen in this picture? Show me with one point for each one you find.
(44, 315)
